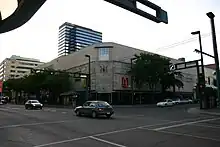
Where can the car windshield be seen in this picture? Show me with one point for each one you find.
(35, 101)
(102, 104)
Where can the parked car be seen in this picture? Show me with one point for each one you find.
(4, 100)
(190, 101)
(177, 101)
(95, 109)
(165, 103)
(33, 104)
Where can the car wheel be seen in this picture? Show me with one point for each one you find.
(94, 115)
(108, 115)
(26, 107)
(78, 113)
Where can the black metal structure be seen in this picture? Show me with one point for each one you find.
(200, 77)
(89, 74)
(27, 8)
(131, 5)
(215, 50)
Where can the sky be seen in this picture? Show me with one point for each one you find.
(38, 38)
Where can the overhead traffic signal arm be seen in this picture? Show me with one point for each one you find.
(131, 5)
(25, 10)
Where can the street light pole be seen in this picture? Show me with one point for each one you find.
(211, 16)
(89, 80)
(132, 82)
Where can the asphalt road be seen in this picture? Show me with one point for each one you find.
(129, 127)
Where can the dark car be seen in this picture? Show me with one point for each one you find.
(4, 100)
(33, 104)
(95, 109)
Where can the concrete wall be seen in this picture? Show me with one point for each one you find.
(116, 67)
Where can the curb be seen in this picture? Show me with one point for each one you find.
(134, 106)
(198, 111)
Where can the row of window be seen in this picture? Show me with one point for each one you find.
(17, 71)
(88, 39)
(31, 64)
(80, 34)
(87, 34)
(89, 31)
(78, 39)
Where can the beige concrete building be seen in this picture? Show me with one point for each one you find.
(110, 63)
(16, 67)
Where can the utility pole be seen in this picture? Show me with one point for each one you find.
(132, 83)
(200, 47)
(211, 16)
(89, 79)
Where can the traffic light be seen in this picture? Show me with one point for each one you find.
(201, 83)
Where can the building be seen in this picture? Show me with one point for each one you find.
(73, 37)
(110, 81)
(16, 67)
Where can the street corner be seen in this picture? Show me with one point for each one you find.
(209, 112)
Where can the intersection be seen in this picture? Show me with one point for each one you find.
(129, 127)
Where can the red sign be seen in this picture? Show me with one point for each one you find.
(124, 82)
(1, 86)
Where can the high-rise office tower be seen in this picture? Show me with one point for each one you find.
(73, 38)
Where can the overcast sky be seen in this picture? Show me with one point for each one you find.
(39, 37)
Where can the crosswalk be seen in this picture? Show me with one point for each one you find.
(7, 108)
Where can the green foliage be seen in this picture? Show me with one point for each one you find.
(152, 69)
(45, 80)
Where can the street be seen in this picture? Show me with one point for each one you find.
(129, 127)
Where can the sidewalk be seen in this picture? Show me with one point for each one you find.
(213, 112)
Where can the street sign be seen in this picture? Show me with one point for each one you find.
(172, 67)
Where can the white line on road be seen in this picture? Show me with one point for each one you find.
(107, 142)
(184, 124)
(35, 124)
(207, 126)
(111, 132)
(189, 135)
(3, 109)
(15, 108)
(60, 142)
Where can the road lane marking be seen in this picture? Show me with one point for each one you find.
(15, 108)
(40, 123)
(111, 132)
(3, 109)
(184, 124)
(60, 142)
(189, 135)
(206, 126)
(107, 142)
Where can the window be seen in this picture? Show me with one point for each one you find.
(103, 52)
(12, 70)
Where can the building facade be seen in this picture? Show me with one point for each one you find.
(110, 81)
(73, 38)
(17, 67)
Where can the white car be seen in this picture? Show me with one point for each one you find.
(166, 102)
(177, 101)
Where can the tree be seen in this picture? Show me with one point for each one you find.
(53, 82)
(153, 69)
